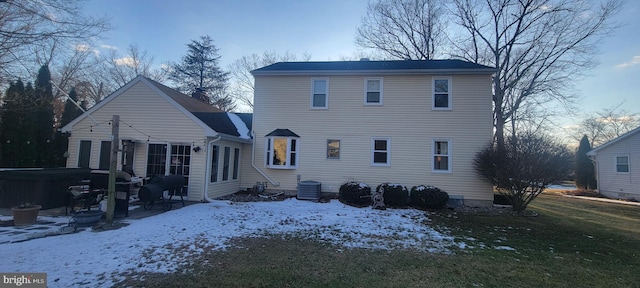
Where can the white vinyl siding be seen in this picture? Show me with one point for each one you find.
(146, 117)
(617, 173)
(319, 94)
(406, 118)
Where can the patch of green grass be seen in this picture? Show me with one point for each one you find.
(572, 243)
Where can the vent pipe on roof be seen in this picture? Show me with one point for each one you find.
(201, 95)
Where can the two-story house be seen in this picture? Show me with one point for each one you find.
(406, 122)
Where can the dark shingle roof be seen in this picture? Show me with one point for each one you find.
(247, 118)
(392, 66)
(282, 133)
(186, 101)
(221, 123)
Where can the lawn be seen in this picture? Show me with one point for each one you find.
(572, 243)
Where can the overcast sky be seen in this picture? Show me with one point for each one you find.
(326, 29)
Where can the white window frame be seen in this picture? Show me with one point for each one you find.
(80, 153)
(616, 163)
(236, 164)
(434, 155)
(326, 94)
(373, 151)
(329, 149)
(366, 81)
(433, 92)
(269, 150)
(215, 159)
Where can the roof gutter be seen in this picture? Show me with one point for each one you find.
(205, 197)
(373, 72)
(234, 138)
(253, 163)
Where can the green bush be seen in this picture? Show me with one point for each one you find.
(395, 195)
(355, 194)
(428, 197)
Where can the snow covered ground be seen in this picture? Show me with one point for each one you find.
(163, 242)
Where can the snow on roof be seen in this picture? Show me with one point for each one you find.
(243, 131)
(163, 242)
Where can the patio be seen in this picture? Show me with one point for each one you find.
(51, 222)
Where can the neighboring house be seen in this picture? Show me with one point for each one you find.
(617, 163)
(164, 132)
(406, 122)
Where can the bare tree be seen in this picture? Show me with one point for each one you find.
(538, 47)
(26, 24)
(69, 65)
(606, 125)
(404, 29)
(523, 170)
(242, 80)
(123, 68)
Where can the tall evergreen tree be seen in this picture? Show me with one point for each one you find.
(10, 122)
(199, 74)
(44, 118)
(17, 126)
(585, 172)
(71, 111)
(28, 126)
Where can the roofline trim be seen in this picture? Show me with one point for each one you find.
(372, 72)
(235, 138)
(594, 151)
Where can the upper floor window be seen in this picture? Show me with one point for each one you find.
(373, 91)
(441, 156)
(622, 164)
(319, 94)
(380, 151)
(441, 99)
(281, 151)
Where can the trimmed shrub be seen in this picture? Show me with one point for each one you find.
(355, 194)
(428, 197)
(395, 195)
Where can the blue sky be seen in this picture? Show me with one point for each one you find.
(326, 29)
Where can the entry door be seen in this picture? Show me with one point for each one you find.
(177, 162)
(128, 148)
(180, 163)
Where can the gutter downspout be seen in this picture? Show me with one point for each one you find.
(205, 197)
(253, 163)
(596, 168)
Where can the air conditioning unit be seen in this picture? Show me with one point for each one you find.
(309, 190)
